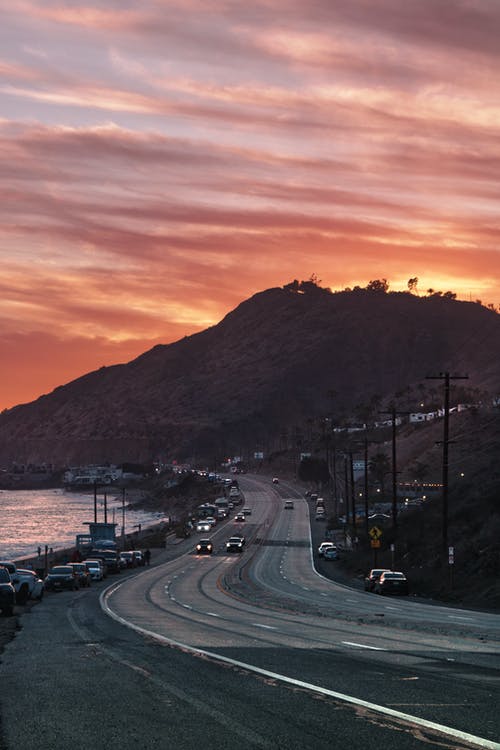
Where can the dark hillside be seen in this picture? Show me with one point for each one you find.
(268, 366)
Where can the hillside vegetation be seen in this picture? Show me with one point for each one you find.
(284, 357)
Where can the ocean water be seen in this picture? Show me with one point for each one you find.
(33, 518)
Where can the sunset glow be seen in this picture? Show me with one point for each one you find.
(163, 161)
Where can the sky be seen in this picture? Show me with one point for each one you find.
(163, 161)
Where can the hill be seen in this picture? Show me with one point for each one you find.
(282, 358)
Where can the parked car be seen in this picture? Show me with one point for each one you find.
(139, 557)
(323, 546)
(109, 556)
(61, 577)
(128, 559)
(372, 578)
(288, 505)
(204, 547)
(331, 553)
(96, 569)
(234, 544)
(20, 585)
(82, 573)
(35, 583)
(7, 593)
(392, 582)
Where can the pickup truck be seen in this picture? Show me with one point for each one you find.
(23, 584)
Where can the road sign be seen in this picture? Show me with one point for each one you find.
(375, 532)
(451, 555)
(375, 543)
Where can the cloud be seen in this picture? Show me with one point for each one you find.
(162, 161)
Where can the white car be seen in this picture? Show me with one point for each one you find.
(211, 520)
(95, 569)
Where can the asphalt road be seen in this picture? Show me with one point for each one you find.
(256, 650)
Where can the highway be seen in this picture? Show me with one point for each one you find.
(258, 649)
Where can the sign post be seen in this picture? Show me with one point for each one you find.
(375, 534)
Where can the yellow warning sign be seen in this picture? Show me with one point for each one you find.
(375, 532)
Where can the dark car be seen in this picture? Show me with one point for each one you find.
(239, 518)
(372, 578)
(204, 547)
(235, 544)
(7, 593)
(110, 557)
(392, 582)
(82, 573)
(61, 577)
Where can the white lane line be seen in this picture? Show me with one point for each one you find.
(267, 627)
(459, 617)
(363, 645)
(432, 725)
(352, 601)
(213, 614)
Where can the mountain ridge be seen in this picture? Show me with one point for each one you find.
(273, 362)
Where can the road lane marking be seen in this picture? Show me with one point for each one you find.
(362, 645)
(352, 700)
(459, 617)
(213, 614)
(267, 627)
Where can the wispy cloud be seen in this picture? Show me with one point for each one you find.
(163, 161)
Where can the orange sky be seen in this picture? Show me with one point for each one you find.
(162, 161)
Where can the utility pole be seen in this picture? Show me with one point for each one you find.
(353, 494)
(445, 442)
(365, 458)
(366, 486)
(393, 413)
(346, 485)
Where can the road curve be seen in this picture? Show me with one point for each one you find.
(269, 612)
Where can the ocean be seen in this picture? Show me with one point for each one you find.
(34, 518)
